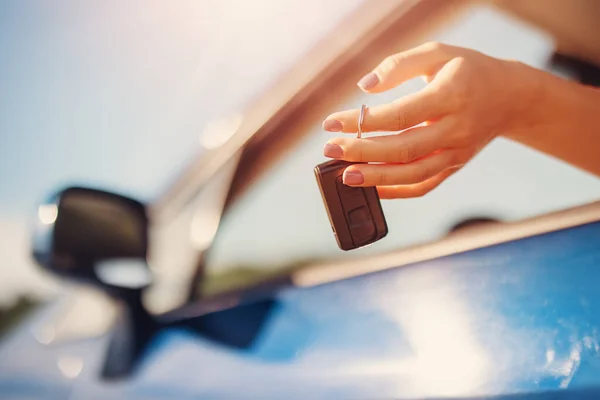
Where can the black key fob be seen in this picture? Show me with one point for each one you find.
(355, 213)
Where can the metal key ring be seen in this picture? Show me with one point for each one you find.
(361, 119)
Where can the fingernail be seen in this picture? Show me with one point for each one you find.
(332, 125)
(353, 178)
(333, 150)
(368, 82)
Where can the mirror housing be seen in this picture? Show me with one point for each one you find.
(101, 238)
(95, 237)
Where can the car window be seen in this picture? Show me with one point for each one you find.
(281, 222)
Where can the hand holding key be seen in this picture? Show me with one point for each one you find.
(355, 213)
(469, 100)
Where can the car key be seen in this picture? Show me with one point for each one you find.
(355, 213)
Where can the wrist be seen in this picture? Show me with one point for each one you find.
(561, 120)
(545, 103)
(530, 96)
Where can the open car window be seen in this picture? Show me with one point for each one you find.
(280, 223)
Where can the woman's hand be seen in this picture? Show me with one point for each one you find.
(470, 99)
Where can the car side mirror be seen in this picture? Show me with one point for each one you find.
(101, 238)
(95, 237)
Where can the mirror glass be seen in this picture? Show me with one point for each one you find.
(92, 226)
(83, 229)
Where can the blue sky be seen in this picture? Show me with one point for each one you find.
(84, 101)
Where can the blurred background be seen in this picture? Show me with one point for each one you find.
(120, 95)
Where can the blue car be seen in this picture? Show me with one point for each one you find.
(230, 285)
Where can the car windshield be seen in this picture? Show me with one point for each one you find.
(281, 224)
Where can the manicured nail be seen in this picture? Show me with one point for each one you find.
(333, 150)
(332, 125)
(353, 178)
(368, 82)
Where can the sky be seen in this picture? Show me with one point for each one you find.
(115, 94)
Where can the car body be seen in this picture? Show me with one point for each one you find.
(498, 312)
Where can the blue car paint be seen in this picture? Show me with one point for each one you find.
(515, 320)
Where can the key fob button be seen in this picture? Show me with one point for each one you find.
(361, 225)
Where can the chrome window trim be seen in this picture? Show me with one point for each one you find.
(470, 239)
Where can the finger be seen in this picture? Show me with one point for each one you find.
(398, 68)
(415, 190)
(403, 174)
(405, 147)
(408, 111)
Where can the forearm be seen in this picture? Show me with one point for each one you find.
(563, 120)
